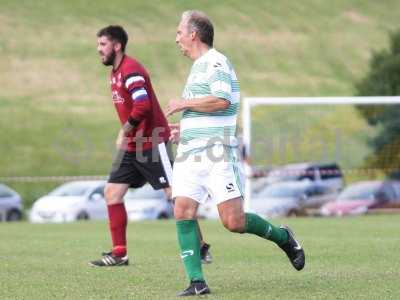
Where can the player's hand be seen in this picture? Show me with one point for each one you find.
(127, 128)
(174, 106)
(175, 133)
(122, 140)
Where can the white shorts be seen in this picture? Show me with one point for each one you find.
(214, 172)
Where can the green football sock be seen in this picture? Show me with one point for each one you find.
(258, 226)
(188, 238)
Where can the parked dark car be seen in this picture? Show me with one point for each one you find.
(364, 197)
(328, 174)
(10, 204)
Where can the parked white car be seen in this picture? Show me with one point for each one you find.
(290, 198)
(76, 200)
(145, 203)
(10, 204)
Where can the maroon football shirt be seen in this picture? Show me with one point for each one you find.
(133, 96)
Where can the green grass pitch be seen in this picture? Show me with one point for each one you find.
(349, 258)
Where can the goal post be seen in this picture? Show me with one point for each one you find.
(248, 103)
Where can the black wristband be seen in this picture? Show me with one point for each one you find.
(133, 122)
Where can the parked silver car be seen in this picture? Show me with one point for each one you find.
(76, 200)
(10, 204)
(290, 198)
(328, 174)
(145, 203)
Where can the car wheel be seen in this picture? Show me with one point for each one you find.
(292, 213)
(162, 216)
(82, 216)
(14, 215)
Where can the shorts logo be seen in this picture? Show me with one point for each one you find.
(230, 187)
(162, 179)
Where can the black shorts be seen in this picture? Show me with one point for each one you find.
(137, 168)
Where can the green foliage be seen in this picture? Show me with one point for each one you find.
(383, 79)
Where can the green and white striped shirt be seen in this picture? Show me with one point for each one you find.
(211, 75)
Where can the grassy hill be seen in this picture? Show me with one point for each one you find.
(56, 117)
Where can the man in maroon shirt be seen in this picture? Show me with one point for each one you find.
(142, 155)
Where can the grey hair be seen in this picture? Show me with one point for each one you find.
(201, 23)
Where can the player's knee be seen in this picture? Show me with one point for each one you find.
(179, 213)
(234, 223)
(234, 227)
(111, 195)
(184, 212)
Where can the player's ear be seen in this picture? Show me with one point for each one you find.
(117, 46)
(193, 34)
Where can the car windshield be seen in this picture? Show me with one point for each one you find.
(282, 175)
(71, 189)
(146, 192)
(5, 191)
(358, 192)
(279, 191)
